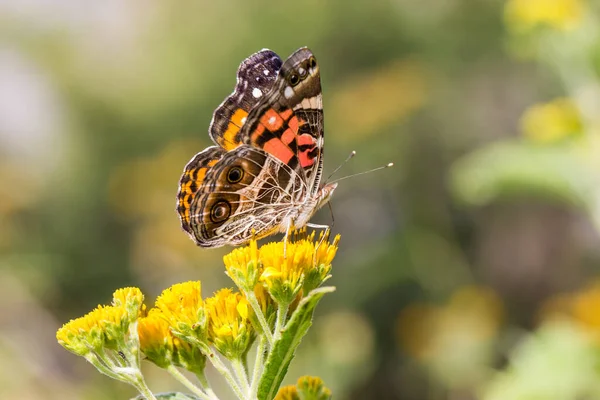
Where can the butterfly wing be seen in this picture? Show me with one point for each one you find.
(192, 180)
(288, 121)
(246, 190)
(255, 78)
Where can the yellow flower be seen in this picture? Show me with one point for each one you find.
(303, 263)
(312, 387)
(229, 327)
(243, 266)
(156, 339)
(456, 340)
(289, 392)
(324, 255)
(586, 307)
(132, 299)
(524, 15)
(181, 305)
(161, 347)
(581, 307)
(105, 326)
(551, 122)
(307, 387)
(284, 275)
(265, 301)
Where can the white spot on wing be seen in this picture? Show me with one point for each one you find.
(256, 92)
(301, 71)
(272, 120)
(243, 120)
(266, 72)
(288, 92)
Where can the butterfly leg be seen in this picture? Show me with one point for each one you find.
(290, 225)
(331, 212)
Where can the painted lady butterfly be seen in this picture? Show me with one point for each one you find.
(264, 173)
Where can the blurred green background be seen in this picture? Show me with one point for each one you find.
(468, 271)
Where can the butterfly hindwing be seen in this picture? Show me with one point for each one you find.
(243, 185)
(192, 180)
(255, 78)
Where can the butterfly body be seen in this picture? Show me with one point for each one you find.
(263, 176)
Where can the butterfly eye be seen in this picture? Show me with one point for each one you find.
(312, 63)
(294, 79)
(235, 175)
(220, 211)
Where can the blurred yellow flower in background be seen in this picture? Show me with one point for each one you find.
(551, 122)
(141, 192)
(581, 307)
(289, 392)
(307, 387)
(374, 100)
(455, 340)
(524, 15)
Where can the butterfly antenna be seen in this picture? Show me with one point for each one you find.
(352, 154)
(364, 172)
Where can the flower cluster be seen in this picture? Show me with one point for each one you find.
(307, 387)
(278, 289)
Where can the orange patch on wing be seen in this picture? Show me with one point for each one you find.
(286, 114)
(288, 136)
(306, 139)
(305, 161)
(272, 120)
(235, 123)
(186, 193)
(279, 149)
(257, 133)
(293, 124)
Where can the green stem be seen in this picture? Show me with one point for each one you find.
(219, 366)
(282, 310)
(242, 375)
(103, 364)
(148, 395)
(137, 380)
(258, 367)
(187, 383)
(251, 297)
(205, 385)
(223, 370)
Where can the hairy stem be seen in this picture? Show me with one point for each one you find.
(258, 366)
(188, 384)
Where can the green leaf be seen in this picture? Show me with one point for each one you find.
(170, 396)
(284, 348)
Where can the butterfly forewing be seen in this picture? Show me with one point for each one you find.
(288, 122)
(255, 78)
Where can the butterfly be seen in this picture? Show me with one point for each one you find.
(263, 175)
